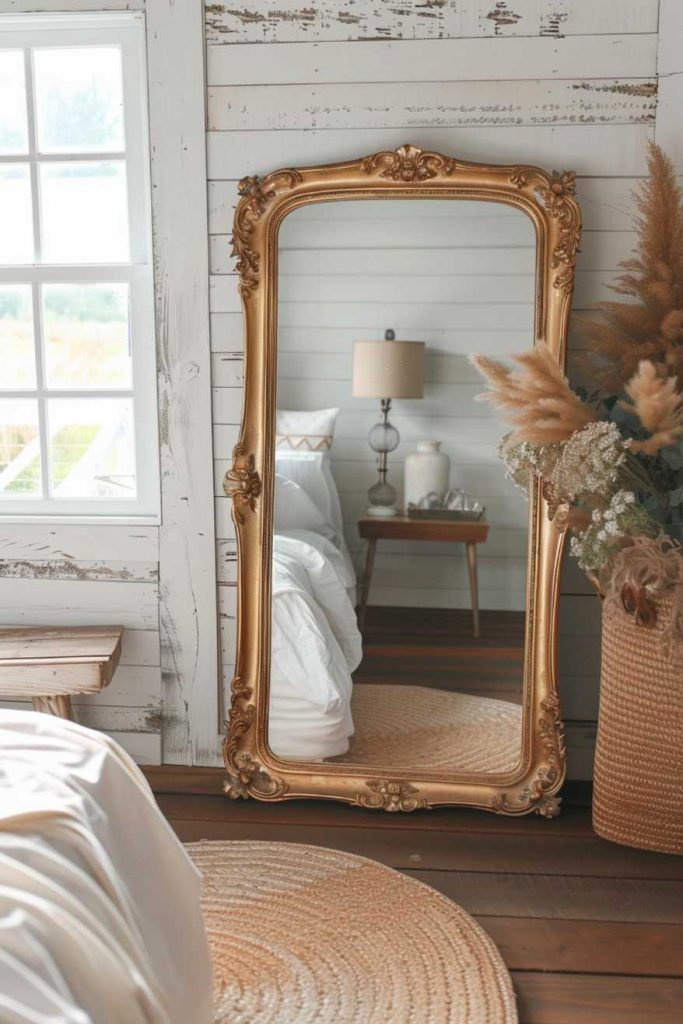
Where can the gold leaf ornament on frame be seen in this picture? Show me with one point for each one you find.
(242, 483)
(408, 163)
(391, 796)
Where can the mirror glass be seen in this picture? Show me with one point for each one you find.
(400, 548)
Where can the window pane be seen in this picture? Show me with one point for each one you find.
(17, 351)
(19, 448)
(84, 212)
(86, 335)
(79, 99)
(16, 217)
(13, 123)
(92, 454)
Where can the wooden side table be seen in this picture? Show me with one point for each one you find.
(52, 665)
(374, 528)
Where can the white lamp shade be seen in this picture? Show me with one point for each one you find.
(388, 369)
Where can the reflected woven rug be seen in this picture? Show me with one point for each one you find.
(305, 935)
(418, 727)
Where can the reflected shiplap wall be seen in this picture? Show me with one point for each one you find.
(458, 276)
(562, 83)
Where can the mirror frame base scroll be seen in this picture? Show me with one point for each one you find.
(408, 172)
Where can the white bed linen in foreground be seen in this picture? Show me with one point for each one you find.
(100, 919)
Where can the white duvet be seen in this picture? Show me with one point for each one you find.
(100, 918)
(316, 646)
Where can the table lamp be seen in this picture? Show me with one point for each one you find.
(386, 369)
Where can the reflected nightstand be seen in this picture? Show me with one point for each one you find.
(374, 528)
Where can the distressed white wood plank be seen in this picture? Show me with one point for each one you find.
(133, 686)
(139, 647)
(105, 718)
(144, 748)
(596, 150)
(606, 203)
(225, 437)
(227, 332)
(227, 405)
(669, 52)
(410, 105)
(188, 622)
(227, 369)
(225, 528)
(66, 603)
(435, 60)
(226, 557)
(70, 569)
(73, 6)
(668, 132)
(283, 21)
(79, 543)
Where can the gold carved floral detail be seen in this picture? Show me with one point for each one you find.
(242, 483)
(537, 795)
(391, 796)
(256, 194)
(249, 778)
(246, 777)
(556, 191)
(408, 163)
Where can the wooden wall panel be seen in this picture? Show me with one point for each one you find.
(282, 21)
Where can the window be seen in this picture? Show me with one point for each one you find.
(78, 434)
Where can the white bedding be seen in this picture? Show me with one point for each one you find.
(100, 918)
(315, 647)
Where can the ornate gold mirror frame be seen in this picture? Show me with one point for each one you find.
(253, 769)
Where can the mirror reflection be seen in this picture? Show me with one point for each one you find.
(400, 548)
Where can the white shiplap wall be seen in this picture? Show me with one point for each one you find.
(459, 276)
(561, 83)
(564, 83)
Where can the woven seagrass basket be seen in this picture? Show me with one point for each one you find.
(638, 774)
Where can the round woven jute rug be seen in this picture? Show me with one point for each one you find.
(306, 935)
(418, 727)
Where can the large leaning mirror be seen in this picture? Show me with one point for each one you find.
(398, 594)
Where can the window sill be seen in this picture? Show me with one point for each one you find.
(67, 520)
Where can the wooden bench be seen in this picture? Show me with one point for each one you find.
(51, 665)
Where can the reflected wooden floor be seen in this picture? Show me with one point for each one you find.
(434, 647)
(590, 931)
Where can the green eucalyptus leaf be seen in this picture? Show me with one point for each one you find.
(676, 497)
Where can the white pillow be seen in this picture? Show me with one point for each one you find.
(303, 429)
(311, 471)
(295, 510)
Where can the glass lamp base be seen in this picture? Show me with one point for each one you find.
(382, 498)
(381, 510)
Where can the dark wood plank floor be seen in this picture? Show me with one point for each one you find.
(434, 647)
(592, 932)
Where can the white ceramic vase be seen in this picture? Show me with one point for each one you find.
(426, 470)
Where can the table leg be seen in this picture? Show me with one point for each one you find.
(59, 705)
(474, 590)
(367, 576)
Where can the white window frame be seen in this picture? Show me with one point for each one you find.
(126, 30)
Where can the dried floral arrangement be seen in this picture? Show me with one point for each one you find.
(612, 458)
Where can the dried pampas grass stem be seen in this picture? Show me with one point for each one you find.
(537, 400)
